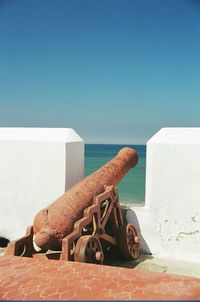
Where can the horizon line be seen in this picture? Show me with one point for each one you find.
(120, 144)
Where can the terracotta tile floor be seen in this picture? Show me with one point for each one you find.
(41, 279)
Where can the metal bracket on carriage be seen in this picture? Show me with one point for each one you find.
(22, 246)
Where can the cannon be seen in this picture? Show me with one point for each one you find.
(86, 221)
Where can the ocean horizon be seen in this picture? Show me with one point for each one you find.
(132, 186)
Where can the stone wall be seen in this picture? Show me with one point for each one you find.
(37, 165)
(170, 220)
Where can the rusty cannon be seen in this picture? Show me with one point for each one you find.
(86, 221)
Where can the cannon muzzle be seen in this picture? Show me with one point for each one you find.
(56, 221)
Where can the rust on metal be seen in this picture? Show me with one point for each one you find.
(86, 221)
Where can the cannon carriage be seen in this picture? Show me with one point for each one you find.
(86, 222)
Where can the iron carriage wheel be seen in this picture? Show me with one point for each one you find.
(129, 241)
(88, 249)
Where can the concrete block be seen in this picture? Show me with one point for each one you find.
(37, 166)
(170, 220)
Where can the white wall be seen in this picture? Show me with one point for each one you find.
(37, 165)
(170, 220)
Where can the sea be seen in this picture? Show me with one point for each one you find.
(132, 186)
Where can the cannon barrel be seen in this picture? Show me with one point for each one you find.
(56, 221)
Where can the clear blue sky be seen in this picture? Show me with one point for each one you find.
(114, 70)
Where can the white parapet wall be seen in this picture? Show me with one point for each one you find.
(170, 221)
(37, 165)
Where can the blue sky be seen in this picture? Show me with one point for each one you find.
(114, 70)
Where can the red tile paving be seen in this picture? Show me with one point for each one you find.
(41, 279)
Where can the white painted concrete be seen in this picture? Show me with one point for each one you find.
(170, 219)
(37, 165)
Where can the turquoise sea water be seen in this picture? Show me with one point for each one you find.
(132, 187)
